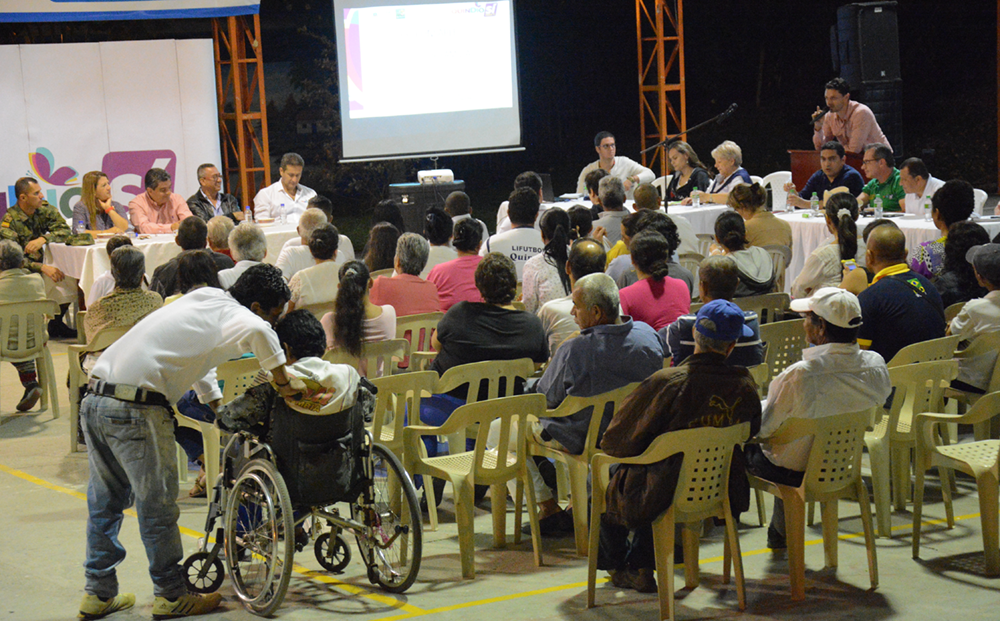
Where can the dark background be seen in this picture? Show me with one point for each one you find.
(579, 75)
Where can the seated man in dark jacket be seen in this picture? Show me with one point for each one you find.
(701, 392)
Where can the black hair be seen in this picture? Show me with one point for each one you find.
(593, 180)
(916, 167)
(437, 226)
(651, 253)
(261, 283)
(730, 231)
(192, 233)
(116, 242)
(586, 256)
(954, 201)
(530, 180)
(962, 236)
(496, 279)
(554, 225)
(840, 85)
(846, 225)
(381, 247)
(457, 203)
(324, 241)
(522, 206)
(154, 177)
(468, 235)
(388, 211)
(662, 224)
(581, 221)
(833, 145)
(601, 136)
(349, 307)
(302, 333)
(631, 223)
(196, 267)
(323, 204)
(834, 333)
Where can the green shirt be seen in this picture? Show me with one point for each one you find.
(46, 222)
(891, 191)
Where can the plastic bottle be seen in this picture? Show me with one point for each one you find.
(695, 197)
(814, 204)
(282, 214)
(927, 210)
(878, 207)
(247, 214)
(81, 226)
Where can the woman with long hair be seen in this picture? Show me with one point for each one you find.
(689, 172)
(544, 277)
(824, 267)
(381, 247)
(957, 280)
(656, 299)
(95, 212)
(355, 320)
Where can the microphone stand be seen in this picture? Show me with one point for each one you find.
(719, 118)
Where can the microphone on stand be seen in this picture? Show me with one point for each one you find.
(728, 113)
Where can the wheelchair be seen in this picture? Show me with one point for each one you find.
(273, 498)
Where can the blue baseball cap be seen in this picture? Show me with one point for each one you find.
(722, 320)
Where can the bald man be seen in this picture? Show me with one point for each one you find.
(900, 307)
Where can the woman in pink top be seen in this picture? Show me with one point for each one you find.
(456, 279)
(656, 299)
(356, 320)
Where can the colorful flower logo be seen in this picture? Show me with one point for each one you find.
(42, 164)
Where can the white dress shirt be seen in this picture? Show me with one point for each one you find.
(557, 319)
(228, 277)
(977, 317)
(268, 201)
(915, 202)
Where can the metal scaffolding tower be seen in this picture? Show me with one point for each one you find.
(660, 34)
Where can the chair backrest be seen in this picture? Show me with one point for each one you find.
(661, 183)
(785, 341)
(237, 376)
(493, 373)
(321, 308)
(601, 408)
(925, 351)
(705, 241)
(924, 383)
(985, 343)
(952, 311)
(397, 396)
(760, 375)
(378, 358)
(781, 256)
(422, 326)
(98, 342)
(757, 180)
(387, 272)
(24, 328)
(777, 181)
(691, 261)
(769, 307)
(980, 200)
(506, 409)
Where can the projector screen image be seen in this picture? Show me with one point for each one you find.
(419, 78)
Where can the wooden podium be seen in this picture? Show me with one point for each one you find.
(805, 163)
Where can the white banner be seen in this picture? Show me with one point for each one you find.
(90, 10)
(121, 108)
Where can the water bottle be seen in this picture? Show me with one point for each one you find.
(247, 214)
(695, 197)
(814, 204)
(927, 210)
(878, 207)
(81, 226)
(282, 214)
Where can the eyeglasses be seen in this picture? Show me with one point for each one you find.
(213, 177)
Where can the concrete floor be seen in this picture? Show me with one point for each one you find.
(44, 512)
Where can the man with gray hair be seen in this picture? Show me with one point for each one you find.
(406, 291)
(612, 194)
(18, 284)
(286, 194)
(295, 258)
(210, 201)
(219, 228)
(248, 247)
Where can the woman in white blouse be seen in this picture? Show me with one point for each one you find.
(544, 277)
(824, 267)
(729, 162)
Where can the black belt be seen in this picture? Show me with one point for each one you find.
(123, 392)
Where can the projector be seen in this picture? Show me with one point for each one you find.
(431, 177)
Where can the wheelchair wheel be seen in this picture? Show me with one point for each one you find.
(260, 537)
(201, 575)
(332, 552)
(393, 539)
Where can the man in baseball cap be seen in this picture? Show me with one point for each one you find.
(985, 259)
(835, 376)
(979, 316)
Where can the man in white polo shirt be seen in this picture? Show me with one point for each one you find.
(285, 191)
(918, 184)
(523, 241)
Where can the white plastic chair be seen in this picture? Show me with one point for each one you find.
(378, 358)
(770, 307)
(925, 351)
(758, 180)
(77, 378)
(980, 197)
(26, 341)
(777, 181)
(661, 183)
(785, 341)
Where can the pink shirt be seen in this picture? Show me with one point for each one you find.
(149, 218)
(656, 302)
(409, 295)
(855, 128)
(456, 281)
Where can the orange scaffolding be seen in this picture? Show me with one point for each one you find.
(660, 34)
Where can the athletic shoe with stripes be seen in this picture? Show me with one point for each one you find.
(93, 607)
(185, 606)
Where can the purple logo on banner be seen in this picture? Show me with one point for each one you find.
(126, 169)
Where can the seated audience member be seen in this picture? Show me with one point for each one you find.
(581, 221)
(753, 263)
(657, 299)
(857, 278)
(456, 279)
(978, 317)
(438, 229)
(104, 283)
(286, 191)
(957, 281)
(664, 225)
(824, 267)
(210, 201)
(191, 235)
(317, 284)
(296, 257)
(95, 212)
(702, 392)
(883, 176)
(834, 377)
(729, 162)
(406, 291)
(918, 184)
(593, 185)
(459, 207)
(952, 203)
(17, 284)
(345, 249)
(613, 209)
(248, 245)
(219, 228)
(530, 180)
(355, 320)
(629, 172)
(158, 209)
(523, 241)
(834, 173)
(647, 197)
(586, 257)
(128, 302)
(618, 256)
(545, 275)
(388, 211)
(900, 307)
(689, 172)
(763, 227)
(718, 278)
(611, 352)
(380, 251)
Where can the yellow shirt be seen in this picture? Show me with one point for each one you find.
(619, 249)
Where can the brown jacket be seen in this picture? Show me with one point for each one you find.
(702, 391)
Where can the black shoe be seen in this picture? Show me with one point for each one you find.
(557, 524)
(438, 493)
(32, 393)
(59, 330)
(775, 540)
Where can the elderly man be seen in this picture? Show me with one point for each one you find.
(717, 280)
(612, 194)
(158, 209)
(630, 173)
(586, 257)
(900, 307)
(17, 284)
(835, 376)
(458, 206)
(191, 235)
(833, 173)
(286, 196)
(210, 200)
(918, 184)
(523, 241)
(219, 228)
(979, 316)
(702, 392)
(884, 181)
(294, 258)
(406, 291)
(248, 247)
(850, 123)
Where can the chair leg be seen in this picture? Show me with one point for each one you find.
(53, 388)
(536, 535)
(732, 552)
(518, 508)
(464, 509)
(690, 535)
(829, 511)
(761, 510)
(795, 535)
(432, 511)
(578, 491)
(498, 500)
(900, 472)
(811, 513)
(949, 507)
(663, 546)
(918, 507)
(881, 488)
(597, 507)
(866, 522)
(988, 507)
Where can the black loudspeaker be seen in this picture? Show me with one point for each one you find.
(414, 199)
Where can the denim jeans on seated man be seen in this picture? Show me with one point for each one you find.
(131, 442)
(190, 439)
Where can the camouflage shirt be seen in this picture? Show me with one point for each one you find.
(46, 222)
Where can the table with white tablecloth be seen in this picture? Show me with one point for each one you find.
(702, 218)
(86, 263)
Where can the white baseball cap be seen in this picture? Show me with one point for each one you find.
(838, 306)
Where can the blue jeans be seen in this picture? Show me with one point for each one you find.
(130, 447)
(189, 439)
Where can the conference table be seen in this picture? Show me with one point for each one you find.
(702, 218)
(86, 263)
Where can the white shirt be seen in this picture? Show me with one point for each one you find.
(689, 241)
(228, 277)
(823, 269)
(835, 378)
(179, 346)
(437, 256)
(977, 317)
(503, 220)
(267, 202)
(519, 244)
(558, 321)
(103, 285)
(315, 285)
(915, 202)
(623, 168)
(296, 260)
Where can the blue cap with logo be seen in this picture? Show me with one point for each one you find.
(722, 320)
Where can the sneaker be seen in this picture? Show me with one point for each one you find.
(186, 605)
(641, 580)
(775, 540)
(32, 393)
(93, 607)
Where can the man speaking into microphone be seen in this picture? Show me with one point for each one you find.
(850, 123)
